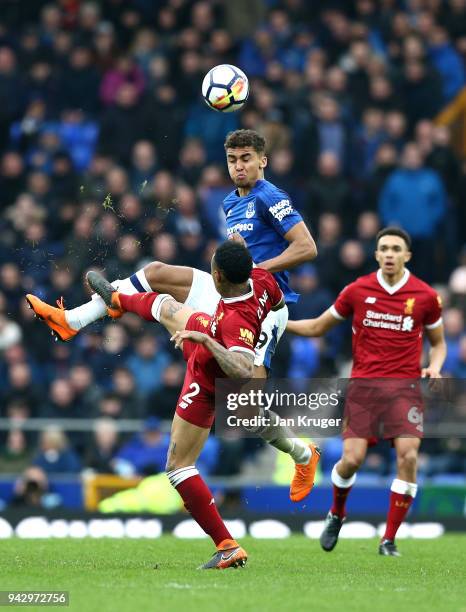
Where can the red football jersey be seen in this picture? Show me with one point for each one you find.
(236, 325)
(388, 324)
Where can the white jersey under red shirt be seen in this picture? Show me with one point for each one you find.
(388, 323)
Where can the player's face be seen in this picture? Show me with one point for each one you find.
(392, 254)
(245, 166)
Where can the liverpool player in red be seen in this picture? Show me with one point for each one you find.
(217, 346)
(390, 309)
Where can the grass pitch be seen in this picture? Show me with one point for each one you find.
(293, 574)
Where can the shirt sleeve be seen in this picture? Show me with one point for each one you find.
(238, 335)
(433, 315)
(343, 306)
(279, 212)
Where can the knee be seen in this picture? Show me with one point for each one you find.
(154, 271)
(407, 462)
(351, 462)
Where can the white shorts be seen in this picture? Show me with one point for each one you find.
(204, 297)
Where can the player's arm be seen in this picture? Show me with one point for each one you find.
(301, 248)
(235, 364)
(437, 354)
(314, 327)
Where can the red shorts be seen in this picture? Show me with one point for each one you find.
(195, 404)
(383, 409)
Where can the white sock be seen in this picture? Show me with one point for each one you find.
(158, 303)
(96, 309)
(300, 453)
(281, 438)
(339, 481)
(176, 477)
(403, 487)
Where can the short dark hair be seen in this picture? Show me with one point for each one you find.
(245, 138)
(394, 231)
(234, 260)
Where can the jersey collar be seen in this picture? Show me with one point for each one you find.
(240, 298)
(391, 289)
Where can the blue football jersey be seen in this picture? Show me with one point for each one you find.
(263, 217)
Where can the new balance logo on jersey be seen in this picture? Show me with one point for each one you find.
(370, 300)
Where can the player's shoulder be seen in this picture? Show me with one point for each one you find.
(259, 275)
(270, 193)
(414, 282)
(263, 279)
(230, 197)
(367, 281)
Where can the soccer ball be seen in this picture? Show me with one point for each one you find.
(225, 88)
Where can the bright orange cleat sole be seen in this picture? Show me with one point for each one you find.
(52, 317)
(304, 475)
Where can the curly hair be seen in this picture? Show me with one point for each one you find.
(234, 260)
(245, 138)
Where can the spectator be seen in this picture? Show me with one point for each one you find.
(148, 363)
(124, 388)
(101, 453)
(55, 456)
(15, 455)
(414, 198)
(32, 490)
(146, 452)
(329, 192)
(162, 403)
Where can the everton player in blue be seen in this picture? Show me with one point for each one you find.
(258, 214)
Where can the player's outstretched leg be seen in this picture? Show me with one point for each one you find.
(151, 306)
(186, 443)
(66, 324)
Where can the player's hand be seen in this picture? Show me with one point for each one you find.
(193, 336)
(236, 237)
(433, 374)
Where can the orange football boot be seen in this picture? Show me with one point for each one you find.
(304, 474)
(229, 554)
(53, 317)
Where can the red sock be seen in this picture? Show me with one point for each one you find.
(339, 500)
(140, 303)
(200, 503)
(398, 509)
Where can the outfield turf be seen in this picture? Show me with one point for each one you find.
(292, 574)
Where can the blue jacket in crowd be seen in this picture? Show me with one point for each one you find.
(414, 200)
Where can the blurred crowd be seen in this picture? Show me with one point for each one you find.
(109, 158)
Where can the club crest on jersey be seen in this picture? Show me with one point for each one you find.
(202, 320)
(251, 210)
(409, 305)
